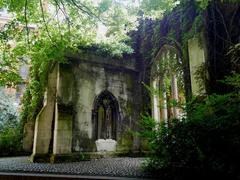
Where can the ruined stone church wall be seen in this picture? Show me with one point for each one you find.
(82, 81)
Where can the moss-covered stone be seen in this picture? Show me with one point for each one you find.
(85, 143)
(125, 142)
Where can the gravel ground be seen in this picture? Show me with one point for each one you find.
(118, 167)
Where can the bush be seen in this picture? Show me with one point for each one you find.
(10, 142)
(205, 144)
(10, 136)
(8, 111)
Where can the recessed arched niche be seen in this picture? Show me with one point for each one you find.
(167, 85)
(105, 116)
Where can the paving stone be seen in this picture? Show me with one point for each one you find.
(119, 167)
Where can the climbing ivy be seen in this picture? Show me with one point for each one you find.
(44, 32)
(215, 20)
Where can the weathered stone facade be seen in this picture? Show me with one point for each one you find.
(69, 122)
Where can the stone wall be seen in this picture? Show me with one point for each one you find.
(91, 76)
(66, 125)
(78, 84)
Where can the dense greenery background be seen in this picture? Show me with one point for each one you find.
(204, 144)
(10, 138)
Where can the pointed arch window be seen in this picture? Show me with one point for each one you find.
(167, 83)
(105, 116)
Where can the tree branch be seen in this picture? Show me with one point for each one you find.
(59, 28)
(44, 21)
(67, 17)
(26, 21)
(233, 17)
(85, 10)
(224, 23)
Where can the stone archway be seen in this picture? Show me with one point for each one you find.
(105, 116)
(167, 82)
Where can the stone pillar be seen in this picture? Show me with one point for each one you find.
(174, 88)
(164, 102)
(62, 141)
(44, 120)
(155, 101)
(197, 55)
(28, 136)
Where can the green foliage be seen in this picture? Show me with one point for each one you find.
(10, 138)
(8, 61)
(205, 144)
(8, 111)
(43, 34)
(106, 48)
(64, 28)
(233, 81)
(10, 141)
(156, 8)
(204, 3)
(201, 75)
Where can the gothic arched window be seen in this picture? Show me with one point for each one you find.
(167, 84)
(105, 116)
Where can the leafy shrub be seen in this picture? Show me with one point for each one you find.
(10, 141)
(10, 136)
(205, 144)
(8, 111)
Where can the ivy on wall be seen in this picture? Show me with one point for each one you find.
(184, 22)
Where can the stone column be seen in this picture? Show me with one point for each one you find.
(44, 120)
(62, 142)
(174, 89)
(197, 58)
(62, 139)
(164, 103)
(28, 136)
(155, 102)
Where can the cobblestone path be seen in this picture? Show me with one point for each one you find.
(118, 167)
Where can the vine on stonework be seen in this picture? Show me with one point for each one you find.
(43, 37)
(174, 29)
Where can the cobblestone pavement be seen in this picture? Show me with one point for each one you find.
(118, 167)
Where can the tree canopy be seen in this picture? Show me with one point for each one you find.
(44, 30)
